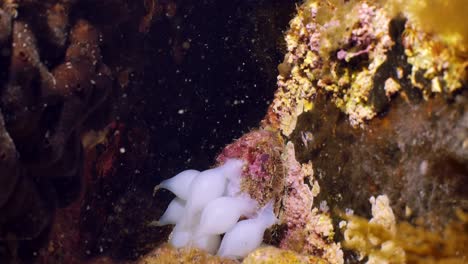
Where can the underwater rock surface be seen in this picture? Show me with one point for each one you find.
(413, 146)
(377, 106)
(58, 85)
(416, 154)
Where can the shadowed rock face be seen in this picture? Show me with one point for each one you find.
(357, 98)
(55, 85)
(68, 66)
(417, 154)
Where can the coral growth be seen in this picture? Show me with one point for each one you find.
(166, 254)
(382, 240)
(273, 255)
(443, 18)
(272, 171)
(358, 58)
(308, 230)
(436, 66)
(334, 48)
(383, 218)
(262, 176)
(359, 53)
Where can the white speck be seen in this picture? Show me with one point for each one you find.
(342, 224)
(122, 150)
(324, 207)
(181, 111)
(423, 167)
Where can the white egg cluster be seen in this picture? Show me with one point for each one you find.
(209, 204)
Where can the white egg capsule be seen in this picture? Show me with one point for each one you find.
(247, 235)
(233, 187)
(232, 169)
(207, 186)
(208, 243)
(179, 184)
(233, 172)
(180, 237)
(182, 234)
(173, 213)
(221, 214)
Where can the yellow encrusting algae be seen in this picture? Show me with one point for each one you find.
(382, 240)
(349, 50)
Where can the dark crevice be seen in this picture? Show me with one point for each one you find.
(396, 58)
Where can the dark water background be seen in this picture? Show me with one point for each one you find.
(201, 98)
(209, 76)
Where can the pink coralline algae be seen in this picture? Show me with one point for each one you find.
(263, 172)
(364, 35)
(298, 199)
(271, 172)
(308, 230)
(325, 42)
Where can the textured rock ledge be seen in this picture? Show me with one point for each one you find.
(369, 102)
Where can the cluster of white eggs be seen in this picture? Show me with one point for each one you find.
(209, 204)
